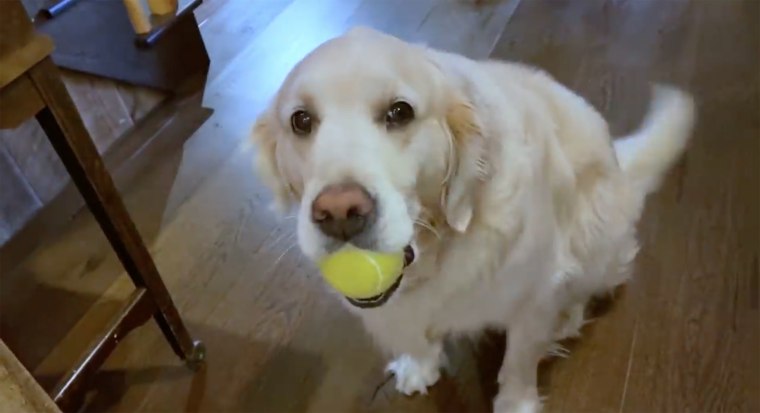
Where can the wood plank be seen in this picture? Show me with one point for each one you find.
(36, 159)
(104, 112)
(18, 201)
(207, 9)
(231, 30)
(19, 392)
(401, 18)
(471, 29)
(139, 101)
(278, 48)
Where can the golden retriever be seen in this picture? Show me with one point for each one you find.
(503, 187)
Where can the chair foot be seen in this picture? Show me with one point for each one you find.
(197, 358)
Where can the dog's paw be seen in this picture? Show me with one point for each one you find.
(412, 375)
(504, 404)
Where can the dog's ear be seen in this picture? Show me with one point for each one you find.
(267, 163)
(467, 163)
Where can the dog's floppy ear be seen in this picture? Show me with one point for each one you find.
(267, 164)
(467, 163)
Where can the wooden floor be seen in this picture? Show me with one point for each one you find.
(682, 337)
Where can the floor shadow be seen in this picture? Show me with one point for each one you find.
(474, 364)
(489, 356)
(108, 386)
(223, 383)
(34, 322)
(598, 306)
(287, 373)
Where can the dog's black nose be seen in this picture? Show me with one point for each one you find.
(343, 211)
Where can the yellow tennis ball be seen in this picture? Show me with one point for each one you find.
(359, 273)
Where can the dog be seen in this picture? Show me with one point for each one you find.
(507, 193)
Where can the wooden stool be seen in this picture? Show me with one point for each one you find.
(30, 85)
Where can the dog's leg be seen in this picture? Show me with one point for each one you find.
(528, 340)
(570, 323)
(417, 352)
(418, 370)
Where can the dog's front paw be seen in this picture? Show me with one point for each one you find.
(504, 404)
(414, 376)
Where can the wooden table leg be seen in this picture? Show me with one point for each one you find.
(71, 140)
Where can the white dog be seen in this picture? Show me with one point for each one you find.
(502, 186)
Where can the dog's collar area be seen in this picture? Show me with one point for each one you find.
(381, 299)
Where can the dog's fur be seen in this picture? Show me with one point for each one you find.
(507, 184)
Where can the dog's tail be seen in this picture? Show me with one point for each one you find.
(646, 155)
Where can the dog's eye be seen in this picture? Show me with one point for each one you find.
(399, 114)
(301, 121)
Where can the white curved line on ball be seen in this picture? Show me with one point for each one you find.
(377, 271)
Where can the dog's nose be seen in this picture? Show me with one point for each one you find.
(343, 211)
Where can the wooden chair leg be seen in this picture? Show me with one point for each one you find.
(71, 140)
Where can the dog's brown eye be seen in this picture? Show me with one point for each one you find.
(399, 114)
(300, 121)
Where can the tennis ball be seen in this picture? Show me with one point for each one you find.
(359, 273)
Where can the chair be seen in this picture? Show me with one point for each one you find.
(31, 85)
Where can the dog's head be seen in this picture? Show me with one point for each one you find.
(370, 139)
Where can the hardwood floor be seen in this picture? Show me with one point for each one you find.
(680, 339)
(683, 336)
